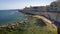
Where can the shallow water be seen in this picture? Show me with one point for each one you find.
(10, 16)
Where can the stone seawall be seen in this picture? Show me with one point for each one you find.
(53, 16)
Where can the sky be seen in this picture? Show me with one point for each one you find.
(20, 4)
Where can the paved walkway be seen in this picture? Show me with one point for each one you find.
(45, 20)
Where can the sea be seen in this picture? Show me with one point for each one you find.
(10, 16)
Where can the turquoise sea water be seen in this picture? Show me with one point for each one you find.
(10, 16)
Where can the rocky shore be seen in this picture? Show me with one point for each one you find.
(13, 25)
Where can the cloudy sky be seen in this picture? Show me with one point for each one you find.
(19, 4)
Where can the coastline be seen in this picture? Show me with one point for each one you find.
(13, 25)
(18, 23)
(31, 22)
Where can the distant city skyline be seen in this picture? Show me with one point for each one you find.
(20, 4)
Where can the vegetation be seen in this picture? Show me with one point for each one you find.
(30, 26)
